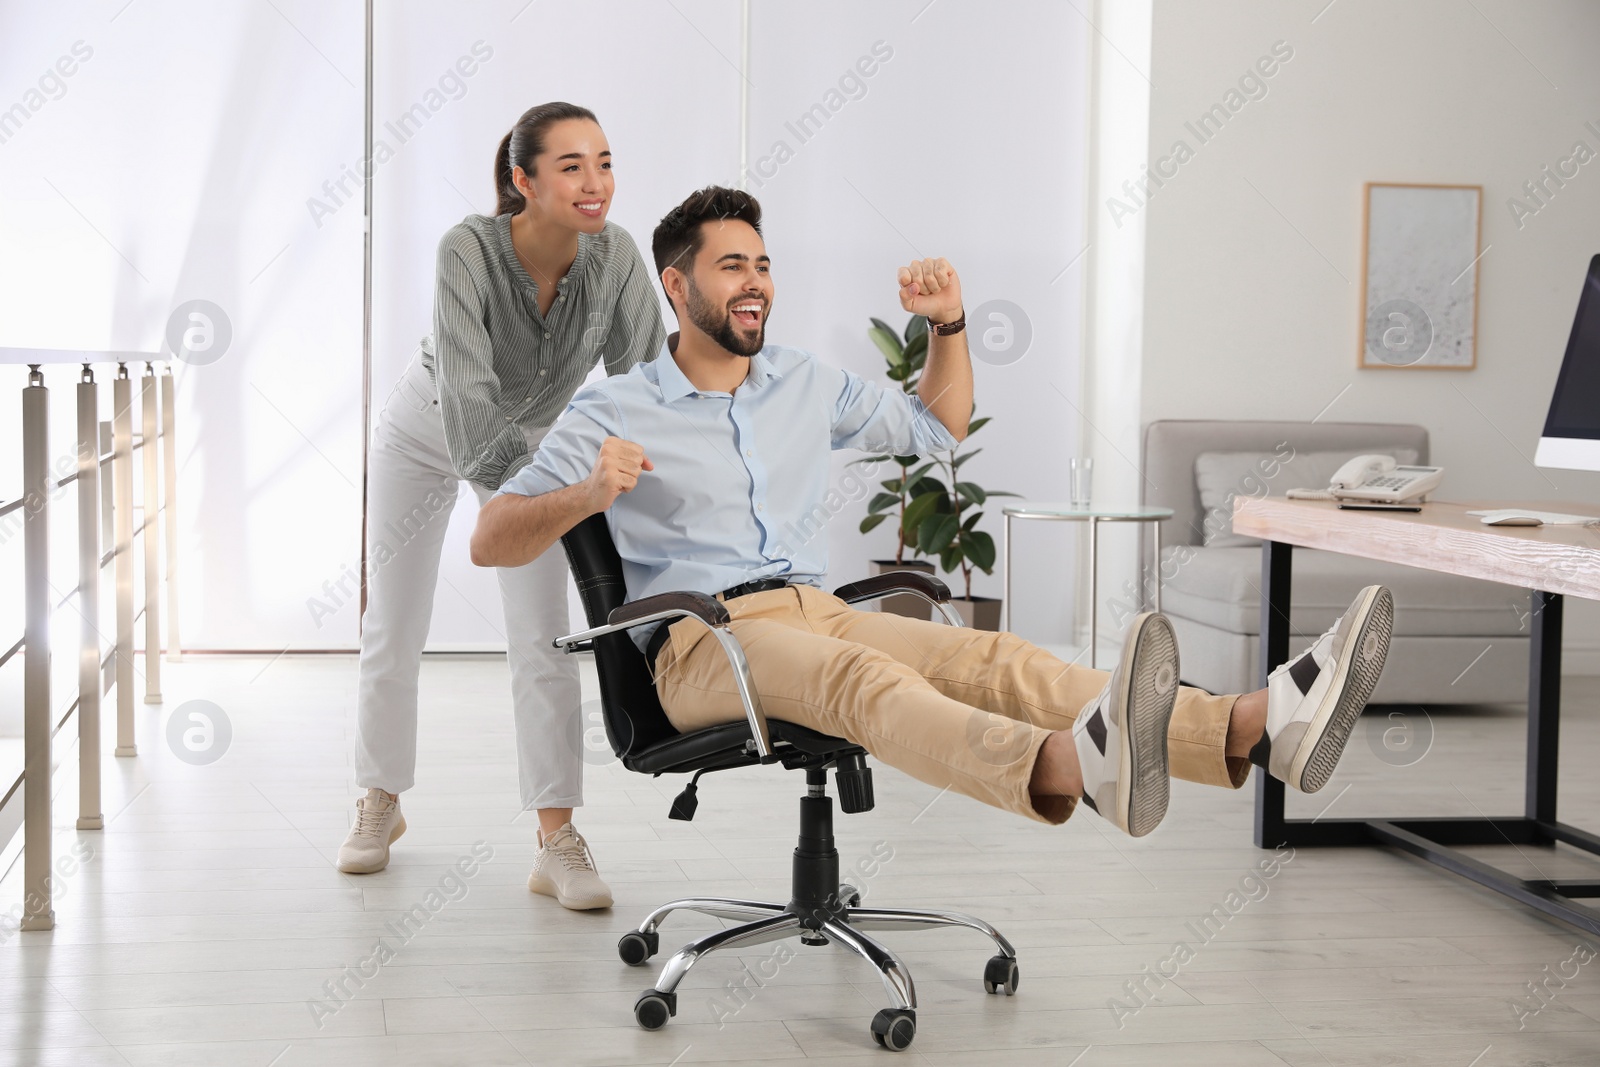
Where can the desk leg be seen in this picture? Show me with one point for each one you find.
(1094, 591)
(1434, 839)
(1005, 575)
(1544, 705)
(1276, 560)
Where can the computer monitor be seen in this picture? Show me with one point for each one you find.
(1571, 437)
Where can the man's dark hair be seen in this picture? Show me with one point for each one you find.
(678, 238)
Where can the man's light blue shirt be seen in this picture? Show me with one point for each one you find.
(741, 487)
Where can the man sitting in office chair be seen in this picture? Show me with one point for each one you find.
(706, 458)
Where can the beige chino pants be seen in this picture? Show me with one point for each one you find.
(950, 706)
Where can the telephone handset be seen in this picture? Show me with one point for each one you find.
(1360, 471)
(1377, 478)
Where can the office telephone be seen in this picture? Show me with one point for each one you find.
(1376, 478)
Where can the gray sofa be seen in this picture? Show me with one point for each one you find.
(1457, 640)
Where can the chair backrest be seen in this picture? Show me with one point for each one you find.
(1170, 447)
(632, 713)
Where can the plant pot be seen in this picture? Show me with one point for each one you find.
(979, 612)
(912, 607)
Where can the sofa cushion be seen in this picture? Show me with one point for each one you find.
(1220, 476)
(1221, 587)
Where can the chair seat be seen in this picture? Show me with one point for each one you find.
(720, 744)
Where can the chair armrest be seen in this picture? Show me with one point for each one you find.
(879, 585)
(667, 608)
(708, 609)
(912, 583)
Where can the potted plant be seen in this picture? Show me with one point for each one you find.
(937, 516)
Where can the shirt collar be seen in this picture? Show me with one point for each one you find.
(674, 383)
(763, 368)
(669, 376)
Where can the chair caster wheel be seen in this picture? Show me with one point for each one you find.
(850, 895)
(893, 1028)
(635, 947)
(654, 1008)
(1000, 975)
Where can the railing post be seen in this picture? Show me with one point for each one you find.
(108, 536)
(169, 502)
(37, 913)
(150, 482)
(122, 492)
(89, 814)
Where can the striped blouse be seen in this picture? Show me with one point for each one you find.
(501, 367)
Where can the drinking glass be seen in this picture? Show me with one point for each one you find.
(1081, 470)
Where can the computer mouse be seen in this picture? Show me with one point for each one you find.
(1513, 520)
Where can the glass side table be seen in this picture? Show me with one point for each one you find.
(1094, 516)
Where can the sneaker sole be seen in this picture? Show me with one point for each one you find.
(1357, 676)
(374, 868)
(538, 883)
(1150, 675)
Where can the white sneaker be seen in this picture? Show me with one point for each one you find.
(564, 869)
(1314, 700)
(378, 824)
(1121, 736)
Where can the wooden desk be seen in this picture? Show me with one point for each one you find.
(1552, 562)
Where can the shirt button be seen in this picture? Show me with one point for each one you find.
(541, 372)
(761, 507)
(526, 399)
(748, 452)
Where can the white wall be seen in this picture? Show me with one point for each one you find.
(1253, 283)
(173, 165)
(968, 142)
(1114, 267)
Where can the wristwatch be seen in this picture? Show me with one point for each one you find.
(945, 329)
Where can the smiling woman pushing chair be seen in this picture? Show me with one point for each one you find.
(528, 301)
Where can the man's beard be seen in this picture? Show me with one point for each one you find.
(717, 323)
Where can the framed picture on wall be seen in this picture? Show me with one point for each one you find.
(1419, 281)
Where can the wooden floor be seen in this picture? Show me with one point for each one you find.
(207, 925)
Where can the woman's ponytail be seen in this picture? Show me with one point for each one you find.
(525, 141)
(508, 200)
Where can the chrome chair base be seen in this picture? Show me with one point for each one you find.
(765, 922)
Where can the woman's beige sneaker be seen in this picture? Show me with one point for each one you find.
(564, 869)
(378, 824)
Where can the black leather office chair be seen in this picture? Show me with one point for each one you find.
(821, 909)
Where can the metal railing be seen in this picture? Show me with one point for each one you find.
(105, 506)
